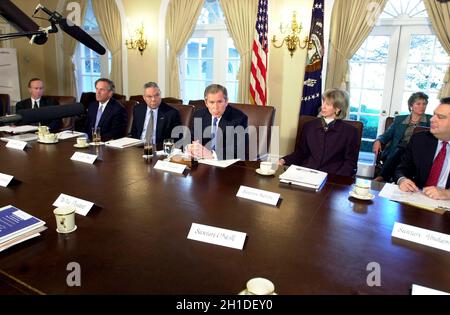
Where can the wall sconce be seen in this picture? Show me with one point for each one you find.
(292, 40)
(138, 41)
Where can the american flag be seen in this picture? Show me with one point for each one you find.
(258, 90)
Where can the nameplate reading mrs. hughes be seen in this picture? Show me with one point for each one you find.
(421, 236)
(217, 236)
(84, 157)
(81, 206)
(258, 195)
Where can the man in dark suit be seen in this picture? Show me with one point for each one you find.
(153, 121)
(37, 100)
(219, 130)
(106, 113)
(426, 162)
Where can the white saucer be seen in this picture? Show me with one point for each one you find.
(96, 144)
(260, 172)
(75, 227)
(47, 142)
(76, 145)
(147, 156)
(354, 195)
(245, 292)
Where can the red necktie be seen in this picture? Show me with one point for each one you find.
(436, 169)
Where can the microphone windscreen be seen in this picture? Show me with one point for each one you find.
(46, 113)
(80, 35)
(21, 21)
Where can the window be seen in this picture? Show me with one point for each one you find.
(209, 56)
(90, 66)
(401, 56)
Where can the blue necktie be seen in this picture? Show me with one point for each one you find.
(99, 115)
(213, 134)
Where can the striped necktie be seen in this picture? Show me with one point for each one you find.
(214, 134)
(149, 131)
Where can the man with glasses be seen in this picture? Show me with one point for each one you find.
(154, 121)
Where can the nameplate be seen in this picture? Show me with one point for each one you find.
(259, 195)
(16, 144)
(421, 236)
(81, 206)
(170, 167)
(217, 236)
(421, 290)
(84, 157)
(5, 180)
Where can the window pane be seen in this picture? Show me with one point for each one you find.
(372, 101)
(232, 51)
(87, 66)
(417, 76)
(356, 74)
(374, 75)
(207, 69)
(192, 69)
(370, 126)
(233, 68)
(208, 48)
(355, 98)
(377, 48)
(232, 88)
(192, 49)
(96, 66)
(440, 56)
(421, 48)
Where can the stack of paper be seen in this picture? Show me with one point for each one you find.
(22, 137)
(303, 176)
(67, 134)
(124, 143)
(18, 129)
(17, 226)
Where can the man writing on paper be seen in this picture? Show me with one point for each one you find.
(106, 113)
(37, 100)
(219, 130)
(426, 163)
(154, 121)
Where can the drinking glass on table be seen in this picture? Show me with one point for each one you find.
(96, 136)
(168, 146)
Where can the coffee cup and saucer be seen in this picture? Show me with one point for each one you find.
(81, 143)
(259, 286)
(361, 190)
(265, 169)
(48, 138)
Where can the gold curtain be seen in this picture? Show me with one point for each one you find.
(351, 23)
(68, 47)
(108, 19)
(439, 14)
(181, 20)
(240, 17)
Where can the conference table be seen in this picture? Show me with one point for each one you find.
(134, 241)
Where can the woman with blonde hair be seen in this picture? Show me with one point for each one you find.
(327, 143)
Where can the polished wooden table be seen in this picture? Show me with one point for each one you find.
(135, 240)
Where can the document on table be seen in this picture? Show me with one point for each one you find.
(393, 192)
(67, 134)
(223, 163)
(18, 129)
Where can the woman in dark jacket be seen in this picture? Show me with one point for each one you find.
(327, 143)
(399, 134)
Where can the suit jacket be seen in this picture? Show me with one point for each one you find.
(334, 151)
(53, 125)
(168, 118)
(418, 159)
(395, 134)
(113, 123)
(229, 145)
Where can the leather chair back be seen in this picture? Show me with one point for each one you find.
(5, 103)
(89, 97)
(186, 113)
(258, 116)
(129, 106)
